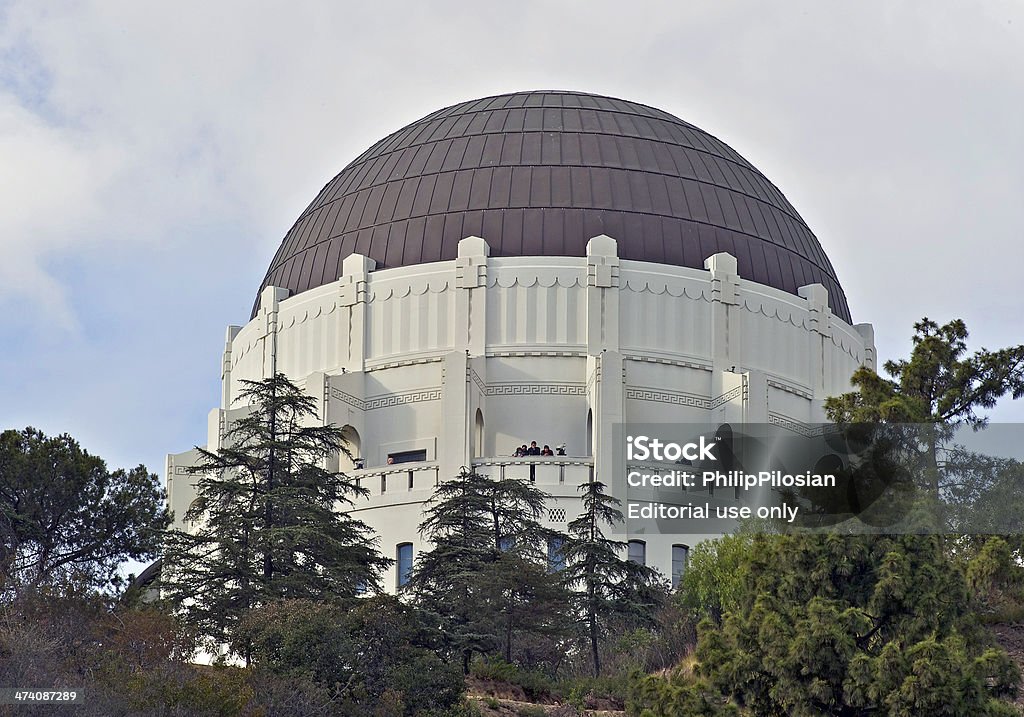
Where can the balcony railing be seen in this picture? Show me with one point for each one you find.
(397, 478)
(542, 470)
(394, 480)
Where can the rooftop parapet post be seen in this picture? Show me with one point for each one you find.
(602, 295)
(270, 302)
(726, 348)
(867, 332)
(608, 395)
(225, 367)
(819, 318)
(471, 295)
(728, 382)
(352, 298)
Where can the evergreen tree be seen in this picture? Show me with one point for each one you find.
(855, 626)
(877, 625)
(270, 521)
(67, 522)
(376, 655)
(940, 387)
(603, 585)
(484, 576)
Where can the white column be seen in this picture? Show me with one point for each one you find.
(471, 295)
(317, 387)
(225, 368)
(729, 382)
(270, 301)
(607, 409)
(820, 320)
(352, 296)
(453, 445)
(867, 332)
(602, 295)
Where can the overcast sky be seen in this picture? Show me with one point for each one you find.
(152, 157)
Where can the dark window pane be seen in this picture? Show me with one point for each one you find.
(680, 558)
(403, 563)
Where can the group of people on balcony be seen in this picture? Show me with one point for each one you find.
(524, 451)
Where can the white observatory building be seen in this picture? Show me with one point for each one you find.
(539, 266)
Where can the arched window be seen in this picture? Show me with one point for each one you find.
(638, 552)
(350, 436)
(590, 431)
(403, 562)
(680, 556)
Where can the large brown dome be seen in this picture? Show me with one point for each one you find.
(540, 173)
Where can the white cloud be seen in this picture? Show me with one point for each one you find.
(161, 152)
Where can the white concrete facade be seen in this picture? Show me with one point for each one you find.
(468, 359)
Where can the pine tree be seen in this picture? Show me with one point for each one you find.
(270, 520)
(67, 522)
(854, 626)
(603, 585)
(485, 575)
(940, 387)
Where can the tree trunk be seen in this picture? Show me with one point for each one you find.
(268, 560)
(508, 638)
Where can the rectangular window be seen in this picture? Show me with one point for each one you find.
(638, 552)
(680, 556)
(556, 557)
(407, 457)
(403, 562)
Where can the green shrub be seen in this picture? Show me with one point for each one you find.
(713, 582)
(531, 711)
(535, 685)
(674, 695)
(378, 649)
